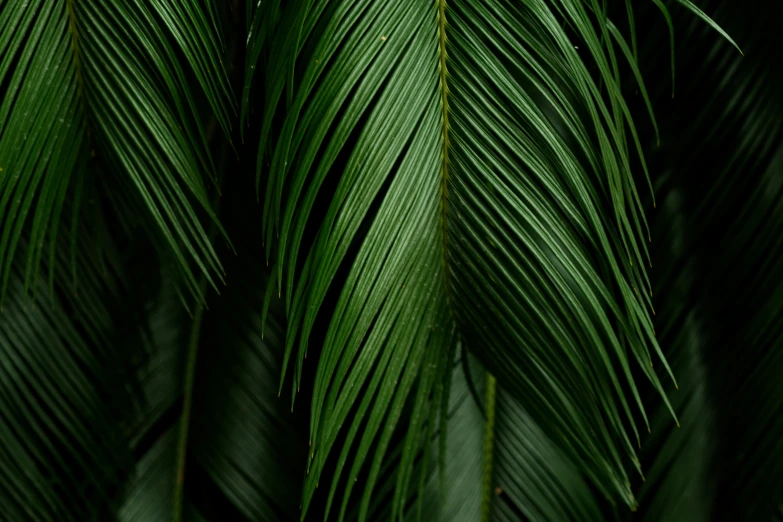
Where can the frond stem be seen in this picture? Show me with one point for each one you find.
(487, 491)
(190, 376)
(71, 10)
(444, 98)
(187, 406)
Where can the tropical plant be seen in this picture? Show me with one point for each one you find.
(463, 211)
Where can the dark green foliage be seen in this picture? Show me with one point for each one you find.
(438, 260)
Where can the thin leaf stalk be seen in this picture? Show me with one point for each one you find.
(487, 491)
(187, 406)
(444, 97)
(70, 7)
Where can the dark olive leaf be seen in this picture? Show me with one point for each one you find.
(87, 78)
(65, 390)
(716, 274)
(481, 163)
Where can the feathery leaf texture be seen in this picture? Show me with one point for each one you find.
(533, 477)
(242, 442)
(451, 199)
(101, 78)
(489, 151)
(63, 387)
(716, 262)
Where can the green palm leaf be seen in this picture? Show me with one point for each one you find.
(446, 468)
(680, 482)
(490, 160)
(716, 270)
(95, 78)
(64, 383)
(452, 199)
(241, 443)
(531, 480)
(532, 476)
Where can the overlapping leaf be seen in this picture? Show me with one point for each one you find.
(64, 395)
(390, 330)
(446, 475)
(544, 249)
(715, 271)
(105, 78)
(479, 156)
(533, 479)
(243, 452)
(529, 479)
(678, 460)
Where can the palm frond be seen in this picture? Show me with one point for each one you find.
(460, 292)
(244, 437)
(523, 208)
(447, 467)
(225, 440)
(715, 275)
(96, 78)
(487, 151)
(262, 18)
(452, 491)
(532, 476)
(680, 478)
(148, 496)
(64, 394)
(530, 479)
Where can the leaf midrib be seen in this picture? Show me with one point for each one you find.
(489, 425)
(71, 10)
(445, 145)
(187, 407)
